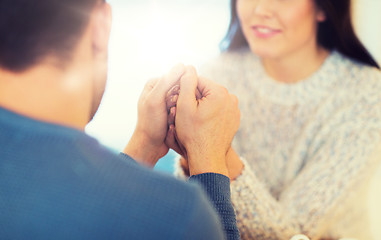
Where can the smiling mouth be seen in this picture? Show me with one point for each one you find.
(264, 32)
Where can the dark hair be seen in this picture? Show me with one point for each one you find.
(336, 32)
(31, 30)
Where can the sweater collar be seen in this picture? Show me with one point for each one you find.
(14, 123)
(314, 87)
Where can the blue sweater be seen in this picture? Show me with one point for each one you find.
(59, 183)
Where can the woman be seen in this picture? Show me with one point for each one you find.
(310, 132)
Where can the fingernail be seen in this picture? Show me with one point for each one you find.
(176, 88)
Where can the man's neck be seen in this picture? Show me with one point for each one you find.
(47, 94)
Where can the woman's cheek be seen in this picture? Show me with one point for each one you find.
(243, 11)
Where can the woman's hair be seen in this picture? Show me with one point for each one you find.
(31, 30)
(336, 32)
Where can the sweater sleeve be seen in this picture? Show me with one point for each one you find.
(203, 221)
(340, 162)
(217, 187)
(127, 158)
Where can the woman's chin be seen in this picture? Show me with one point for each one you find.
(263, 52)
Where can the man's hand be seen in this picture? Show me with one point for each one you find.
(147, 143)
(205, 126)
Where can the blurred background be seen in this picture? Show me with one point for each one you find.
(149, 36)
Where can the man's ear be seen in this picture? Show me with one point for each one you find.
(101, 27)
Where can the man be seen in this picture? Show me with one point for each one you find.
(58, 183)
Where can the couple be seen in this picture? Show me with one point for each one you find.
(58, 183)
(309, 141)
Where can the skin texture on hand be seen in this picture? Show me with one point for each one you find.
(172, 138)
(206, 126)
(147, 144)
(233, 162)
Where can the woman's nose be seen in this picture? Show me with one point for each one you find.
(264, 8)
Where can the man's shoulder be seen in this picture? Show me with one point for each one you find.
(140, 197)
(76, 185)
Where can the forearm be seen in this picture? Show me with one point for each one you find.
(313, 202)
(259, 214)
(142, 152)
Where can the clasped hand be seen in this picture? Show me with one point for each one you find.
(190, 114)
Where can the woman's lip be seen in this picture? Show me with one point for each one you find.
(264, 31)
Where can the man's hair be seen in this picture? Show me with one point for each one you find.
(31, 30)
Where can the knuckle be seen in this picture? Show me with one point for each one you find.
(234, 99)
(224, 90)
(151, 83)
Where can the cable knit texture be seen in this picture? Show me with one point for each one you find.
(309, 148)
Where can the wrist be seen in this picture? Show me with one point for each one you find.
(234, 164)
(207, 164)
(142, 150)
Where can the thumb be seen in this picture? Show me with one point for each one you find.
(164, 84)
(188, 87)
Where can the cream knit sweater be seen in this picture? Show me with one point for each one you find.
(309, 148)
